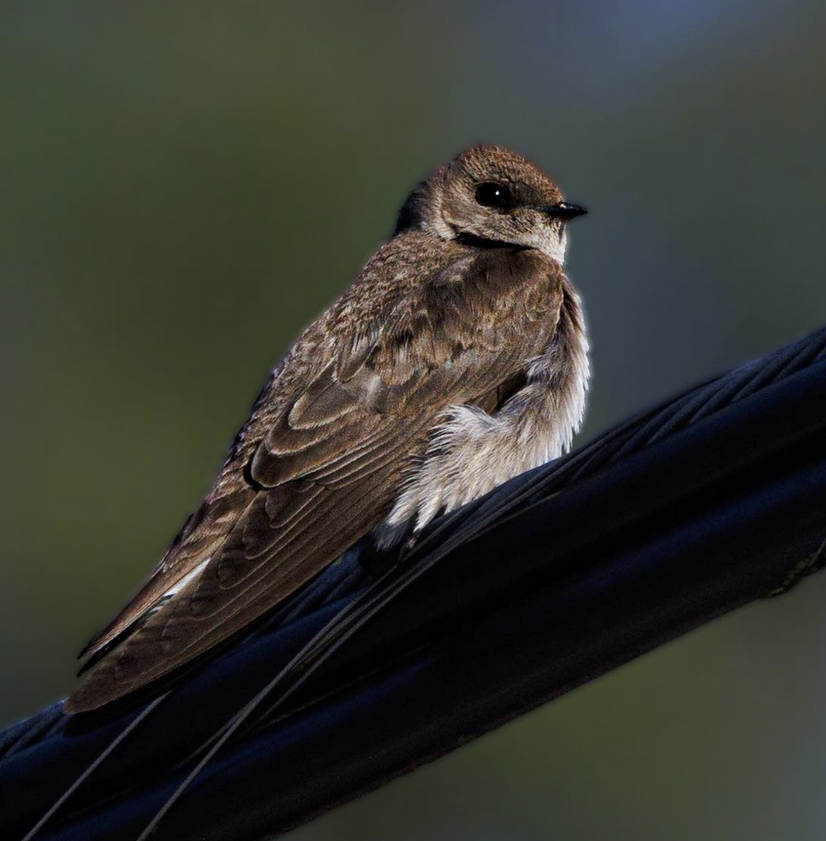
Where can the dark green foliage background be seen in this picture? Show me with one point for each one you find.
(184, 186)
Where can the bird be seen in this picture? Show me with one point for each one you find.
(457, 359)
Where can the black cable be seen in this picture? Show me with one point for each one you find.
(706, 502)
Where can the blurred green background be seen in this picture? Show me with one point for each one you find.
(184, 186)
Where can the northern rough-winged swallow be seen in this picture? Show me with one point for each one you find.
(457, 359)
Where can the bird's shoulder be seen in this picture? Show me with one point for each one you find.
(422, 299)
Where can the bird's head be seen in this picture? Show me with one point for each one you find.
(490, 195)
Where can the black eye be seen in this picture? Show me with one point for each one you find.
(491, 194)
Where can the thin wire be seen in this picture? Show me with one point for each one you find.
(302, 660)
(90, 770)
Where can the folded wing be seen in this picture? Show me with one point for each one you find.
(322, 459)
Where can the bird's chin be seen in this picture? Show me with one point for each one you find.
(555, 244)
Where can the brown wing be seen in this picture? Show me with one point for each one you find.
(317, 469)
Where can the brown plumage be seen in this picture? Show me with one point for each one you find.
(456, 359)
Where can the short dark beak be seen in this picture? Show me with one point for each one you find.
(563, 210)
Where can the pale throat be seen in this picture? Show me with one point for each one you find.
(555, 244)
